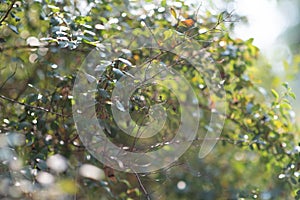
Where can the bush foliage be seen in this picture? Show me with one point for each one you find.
(42, 45)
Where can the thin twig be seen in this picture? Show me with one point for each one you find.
(7, 12)
(30, 106)
(138, 134)
(26, 47)
(37, 47)
(142, 186)
(152, 35)
(10, 76)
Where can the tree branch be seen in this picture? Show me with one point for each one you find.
(38, 46)
(8, 11)
(30, 106)
(142, 186)
(10, 76)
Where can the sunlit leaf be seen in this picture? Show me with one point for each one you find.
(68, 186)
(126, 62)
(91, 171)
(293, 95)
(187, 22)
(13, 28)
(275, 94)
(173, 13)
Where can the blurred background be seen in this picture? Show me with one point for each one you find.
(43, 158)
(275, 27)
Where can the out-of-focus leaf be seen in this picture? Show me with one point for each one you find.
(126, 62)
(15, 139)
(275, 94)
(15, 17)
(120, 106)
(54, 8)
(168, 34)
(48, 39)
(249, 41)
(31, 98)
(54, 21)
(92, 172)
(286, 85)
(102, 66)
(118, 73)
(90, 78)
(13, 28)
(89, 32)
(187, 22)
(293, 95)
(63, 44)
(104, 94)
(68, 186)
(42, 165)
(285, 105)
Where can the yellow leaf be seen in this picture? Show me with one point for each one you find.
(67, 186)
(173, 13)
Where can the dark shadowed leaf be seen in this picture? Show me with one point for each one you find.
(118, 73)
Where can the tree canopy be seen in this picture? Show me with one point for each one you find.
(73, 72)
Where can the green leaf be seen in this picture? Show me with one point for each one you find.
(48, 39)
(168, 34)
(293, 95)
(249, 41)
(275, 94)
(15, 17)
(285, 106)
(68, 186)
(54, 8)
(286, 85)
